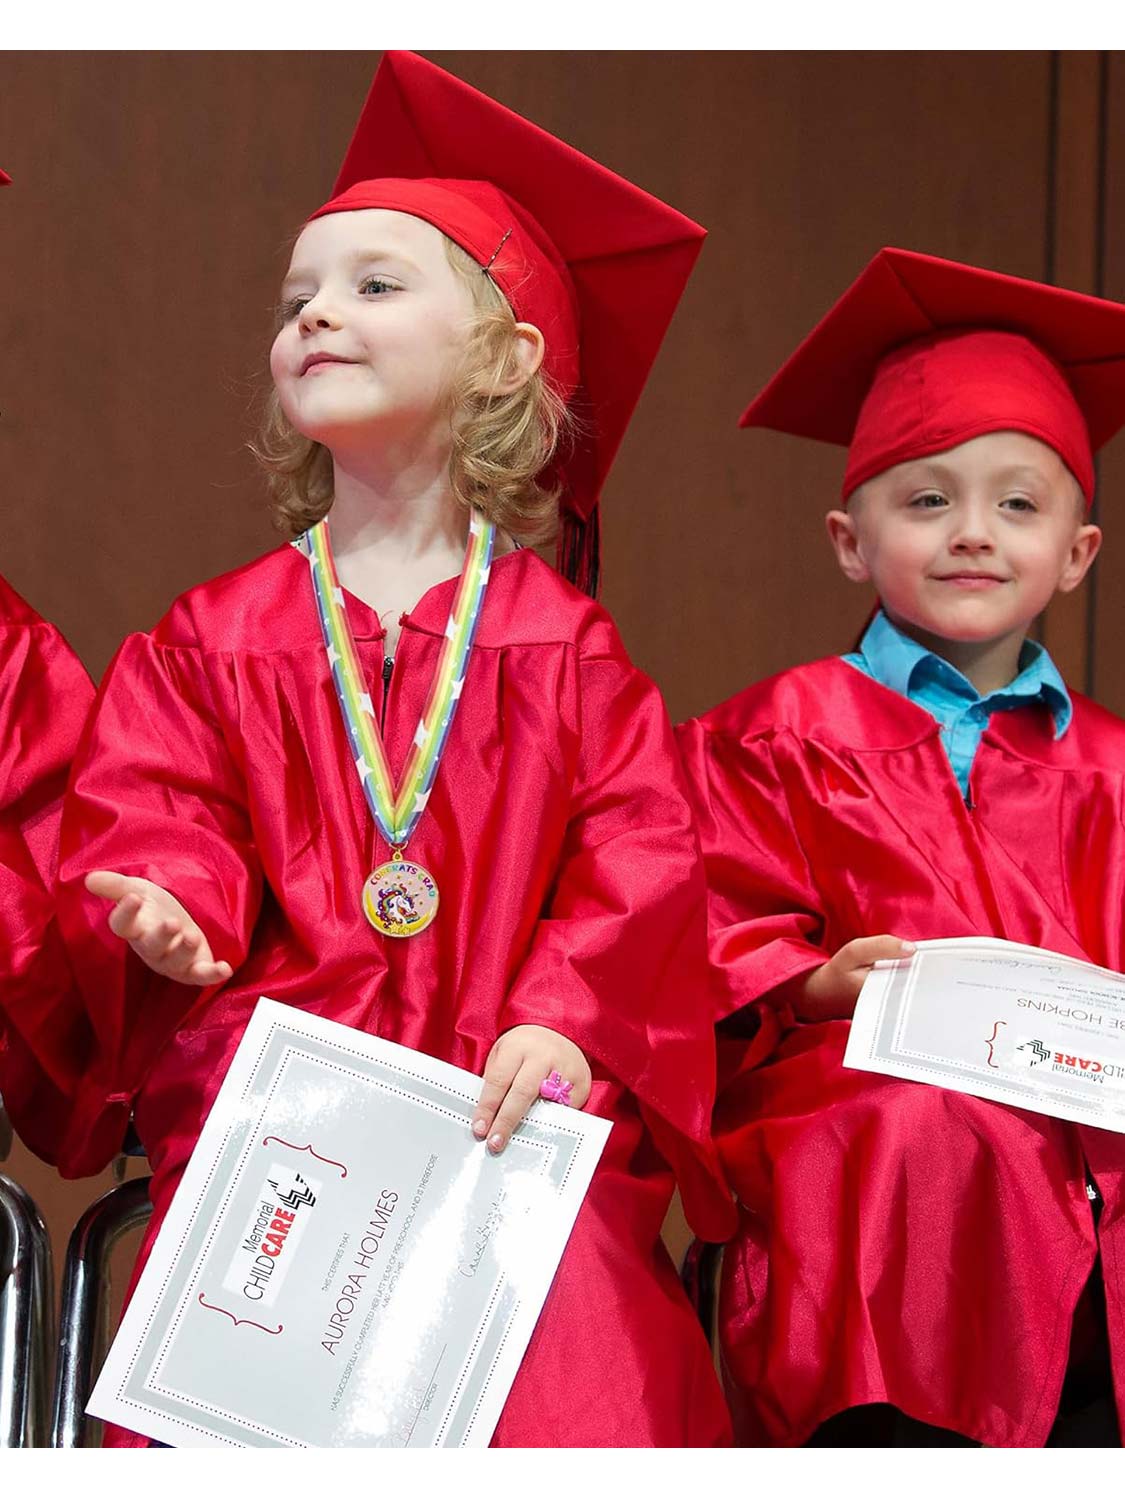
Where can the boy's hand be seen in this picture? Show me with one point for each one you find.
(157, 928)
(830, 992)
(518, 1063)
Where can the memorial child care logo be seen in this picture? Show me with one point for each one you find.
(286, 1201)
(1033, 1053)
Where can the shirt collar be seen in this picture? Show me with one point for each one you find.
(900, 663)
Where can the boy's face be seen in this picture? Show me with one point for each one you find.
(970, 544)
(374, 325)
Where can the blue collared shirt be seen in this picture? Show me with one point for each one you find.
(902, 665)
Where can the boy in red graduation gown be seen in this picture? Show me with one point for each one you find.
(216, 800)
(44, 697)
(934, 1257)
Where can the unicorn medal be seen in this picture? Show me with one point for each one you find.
(400, 898)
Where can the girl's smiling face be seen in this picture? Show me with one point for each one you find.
(969, 545)
(374, 324)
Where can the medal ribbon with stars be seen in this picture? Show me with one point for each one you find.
(397, 814)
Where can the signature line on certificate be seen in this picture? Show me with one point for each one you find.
(429, 1385)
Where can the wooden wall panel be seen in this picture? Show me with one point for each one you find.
(1074, 261)
(1108, 634)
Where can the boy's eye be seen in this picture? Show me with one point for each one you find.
(929, 500)
(374, 285)
(1018, 502)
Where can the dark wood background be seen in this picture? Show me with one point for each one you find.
(156, 195)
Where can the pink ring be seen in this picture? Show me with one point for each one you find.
(555, 1087)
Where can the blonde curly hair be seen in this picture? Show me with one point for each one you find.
(502, 444)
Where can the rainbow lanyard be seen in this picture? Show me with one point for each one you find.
(397, 815)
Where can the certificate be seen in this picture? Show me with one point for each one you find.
(343, 1263)
(1002, 1021)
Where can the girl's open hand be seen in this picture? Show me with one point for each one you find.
(157, 928)
(830, 992)
(516, 1066)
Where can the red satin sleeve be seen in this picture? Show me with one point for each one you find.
(44, 698)
(765, 923)
(615, 960)
(156, 792)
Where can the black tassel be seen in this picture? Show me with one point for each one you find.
(579, 551)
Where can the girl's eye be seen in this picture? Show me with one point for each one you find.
(928, 500)
(374, 285)
(291, 308)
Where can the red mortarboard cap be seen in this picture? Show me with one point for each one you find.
(594, 262)
(5, 180)
(921, 354)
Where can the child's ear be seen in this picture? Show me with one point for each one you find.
(843, 535)
(1083, 550)
(524, 359)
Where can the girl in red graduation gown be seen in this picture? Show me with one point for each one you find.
(45, 695)
(216, 800)
(902, 1244)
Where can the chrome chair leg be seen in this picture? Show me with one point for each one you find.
(26, 1319)
(83, 1334)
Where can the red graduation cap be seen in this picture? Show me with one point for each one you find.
(594, 262)
(922, 354)
(5, 180)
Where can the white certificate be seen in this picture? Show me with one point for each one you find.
(1002, 1021)
(343, 1264)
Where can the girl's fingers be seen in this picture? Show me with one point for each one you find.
(518, 1100)
(580, 1090)
(185, 945)
(109, 884)
(205, 971)
(499, 1071)
(196, 964)
(158, 929)
(174, 946)
(125, 918)
(153, 943)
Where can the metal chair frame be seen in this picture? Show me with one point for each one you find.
(26, 1319)
(83, 1322)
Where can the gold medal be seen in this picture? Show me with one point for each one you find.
(400, 898)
